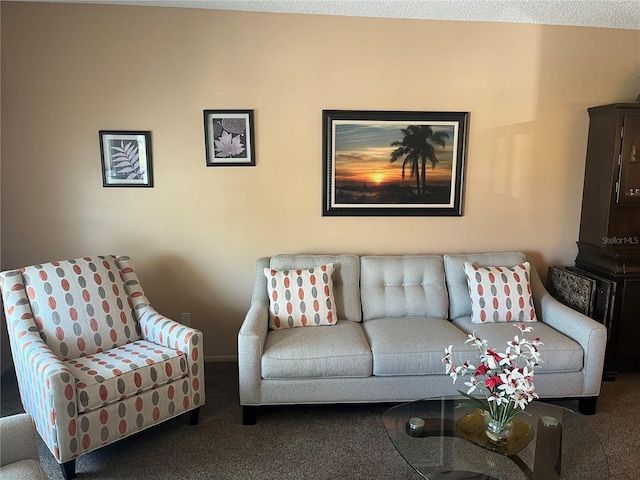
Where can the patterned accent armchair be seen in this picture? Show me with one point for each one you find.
(94, 361)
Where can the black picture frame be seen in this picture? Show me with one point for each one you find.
(360, 178)
(126, 158)
(229, 138)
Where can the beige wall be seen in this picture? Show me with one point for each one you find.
(5, 354)
(71, 70)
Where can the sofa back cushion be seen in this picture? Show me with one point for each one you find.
(403, 286)
(346, 279)
(80, 306)
(459, 299)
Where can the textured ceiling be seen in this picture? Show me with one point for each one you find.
(623, 14)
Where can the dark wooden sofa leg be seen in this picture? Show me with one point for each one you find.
(68, 469)
(194, 416)
(249, 415)
(587, 405)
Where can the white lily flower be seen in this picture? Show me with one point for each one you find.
(493, 365)
(507, 360)
(472, 384)
(521, 401)
(523, 328)
(506, 378)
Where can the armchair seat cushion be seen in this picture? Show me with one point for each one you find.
(110, 376)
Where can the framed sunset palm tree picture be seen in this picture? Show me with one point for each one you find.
(388, 163)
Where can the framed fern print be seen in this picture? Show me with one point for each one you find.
(228, 138)
(126, 158)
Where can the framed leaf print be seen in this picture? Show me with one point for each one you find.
(126, 158)
(228, 137)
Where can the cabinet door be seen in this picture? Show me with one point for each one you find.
(628, 185)
(628, 357)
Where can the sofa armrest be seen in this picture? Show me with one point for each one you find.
(251, 338)
(18, 440)
(588, 333)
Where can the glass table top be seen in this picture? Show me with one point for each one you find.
(438, 451)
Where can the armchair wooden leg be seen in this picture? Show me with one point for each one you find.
(68, 469)
(587, 405)
(194, 416)
(249, 415)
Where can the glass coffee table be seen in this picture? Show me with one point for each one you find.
(562, 445)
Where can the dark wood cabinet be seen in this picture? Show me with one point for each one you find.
(609, 239)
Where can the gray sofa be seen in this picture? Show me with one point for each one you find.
(19, 449)
(396, 315)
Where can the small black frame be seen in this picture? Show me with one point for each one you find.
(229, 138)
(126, 158)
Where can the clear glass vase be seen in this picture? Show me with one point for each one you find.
(497, 432)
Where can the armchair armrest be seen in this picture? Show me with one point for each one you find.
(19, 440)
(47, 386)
(157, 328)
(590, 334)
(48, 392)
(161, 330)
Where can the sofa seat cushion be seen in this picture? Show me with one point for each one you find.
(112, 375)
(559, 353)
(334, 351)
(411, 346)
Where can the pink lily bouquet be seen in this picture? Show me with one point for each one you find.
(506, 379)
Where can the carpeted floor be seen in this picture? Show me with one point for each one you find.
(303, 442)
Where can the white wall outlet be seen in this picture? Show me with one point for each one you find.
(186, 319)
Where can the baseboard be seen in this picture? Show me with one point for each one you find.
(220, 358)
